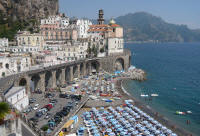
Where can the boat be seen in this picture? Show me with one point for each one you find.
(144, 95)
(154, 95)
(180, 113)
(189, 112)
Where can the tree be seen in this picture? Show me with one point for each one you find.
(89, 51)
(3, 74)
(4, 110)
(102, 50)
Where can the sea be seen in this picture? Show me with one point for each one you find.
(173, 72)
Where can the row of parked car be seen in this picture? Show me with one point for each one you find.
(45, 109)
(73, 97)
(58, 117)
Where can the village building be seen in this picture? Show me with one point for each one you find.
(4, 42)
(18, 97)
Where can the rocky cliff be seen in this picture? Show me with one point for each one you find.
(28, 9)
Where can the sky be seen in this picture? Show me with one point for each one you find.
(172, 11)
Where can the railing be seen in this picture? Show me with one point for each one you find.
(72, 113)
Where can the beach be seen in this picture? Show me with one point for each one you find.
(160, 118)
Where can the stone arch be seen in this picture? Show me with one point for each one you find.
(82, 69)
(129, 61)
(48, 79)
(119, 64)
(75, 71)
(95, 66)
(67, 74)
(35, 81)
(88, 68)
(22, 82)
(58, 76)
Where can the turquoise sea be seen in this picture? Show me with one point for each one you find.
(173, 72)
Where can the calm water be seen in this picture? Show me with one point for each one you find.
(173, 72)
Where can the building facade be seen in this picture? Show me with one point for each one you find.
(83, 27)
(108, 37)
(3, 42)
(12, 65)
(18, 97)
(25, 38)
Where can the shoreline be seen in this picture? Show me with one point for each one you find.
(162, 119)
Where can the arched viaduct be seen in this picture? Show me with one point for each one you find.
(52, 76)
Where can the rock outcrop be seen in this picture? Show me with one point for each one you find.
(29, 9)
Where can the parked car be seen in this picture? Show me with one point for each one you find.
(32, 100)
(36, 106)
(38, 114)
(48, 106)
(49, 95)
(54, 101)
(34, 119)
(38, 91)
(43, 110)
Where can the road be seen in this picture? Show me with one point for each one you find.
(26, 131)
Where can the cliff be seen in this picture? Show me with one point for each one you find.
(18, 15)
(28, 9)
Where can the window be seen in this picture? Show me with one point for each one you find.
(1, 65)
(7, 65)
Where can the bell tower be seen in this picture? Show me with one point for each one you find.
(101, 19)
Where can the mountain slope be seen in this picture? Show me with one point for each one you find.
(23, 14)
(142, 26)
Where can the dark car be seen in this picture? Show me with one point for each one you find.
(57, 119)
(38, 91)
(62, 96)
(34, 119)
(65, 113)
(54, 101)
(32, 100)
(38, 114)
(63, 86)
(49, 95)
(59, 114)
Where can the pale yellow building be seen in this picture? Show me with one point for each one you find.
(25, 38)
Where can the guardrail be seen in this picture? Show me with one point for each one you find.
(72, 113)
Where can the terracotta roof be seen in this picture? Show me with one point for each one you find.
(98, 30)
(115, 25)
(102, 25)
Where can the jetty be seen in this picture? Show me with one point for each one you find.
(136, 74)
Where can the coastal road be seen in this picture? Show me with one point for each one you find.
(26, 131)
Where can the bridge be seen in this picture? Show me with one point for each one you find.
(52, 76)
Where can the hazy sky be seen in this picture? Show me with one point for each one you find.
(173, 11)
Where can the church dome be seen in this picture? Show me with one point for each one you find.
(112, 21)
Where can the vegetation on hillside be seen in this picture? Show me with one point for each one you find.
(142, 26)
(8, 27)
(4, 110)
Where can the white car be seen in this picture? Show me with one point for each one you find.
(36, 106)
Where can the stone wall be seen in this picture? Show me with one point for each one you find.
(107, 64)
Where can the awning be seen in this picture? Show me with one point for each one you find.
(68, 124)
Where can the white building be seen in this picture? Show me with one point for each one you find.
(59, 20)
(77, 51)
(3, 42)
(115, 45)
(23, 49)
(12, 65)
(18, 97)
(25, 38)
(83, 27)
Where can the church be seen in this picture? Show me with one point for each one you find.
(107, 36)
